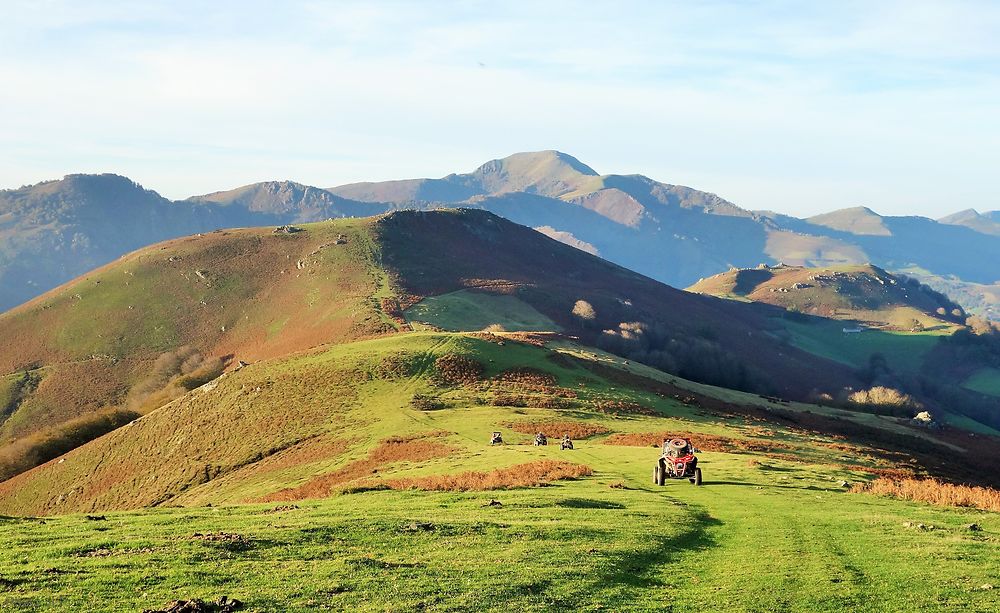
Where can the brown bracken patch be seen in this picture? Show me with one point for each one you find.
(394, 449)
(621, 407)
(532, 474)
(454, 369)
(553, 429)
(933, 491)
(526, 376)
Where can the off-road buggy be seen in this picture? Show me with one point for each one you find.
(677, 461)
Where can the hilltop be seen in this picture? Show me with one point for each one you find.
(673, 233)
(170, 317)
(987, 223)
(862, 293)
(52, 232)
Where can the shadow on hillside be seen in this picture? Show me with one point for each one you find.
(588, 503)
(636, 571)
(771, 486)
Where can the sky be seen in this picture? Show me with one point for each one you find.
(796, 107)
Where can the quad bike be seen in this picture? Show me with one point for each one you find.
(677, 461)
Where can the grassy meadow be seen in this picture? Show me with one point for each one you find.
(773, 528)
(775, 536)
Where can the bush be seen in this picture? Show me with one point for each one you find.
(934, 492)
(422, 402)
(584, 310)
(884, 400)
(29, 452)
(454, 369)
(173, 374)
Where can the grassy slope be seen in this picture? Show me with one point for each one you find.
(765, 533)
(850, 293)
(857, 293)
(986, 381)
(471, 310)
(258, 295)
(904, 350)
(783, 537)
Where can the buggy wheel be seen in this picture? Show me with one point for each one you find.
(661, 473)
(697, 477)
(656, 475)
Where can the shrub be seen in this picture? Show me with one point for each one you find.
(454, 369)
(396, 366)
(423, 402)
(26, 453)
(584, 310)
(556, 429)
(934, 492)
(884, 400)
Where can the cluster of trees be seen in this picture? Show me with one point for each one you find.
(174, 374)
(885, 401)
(699, 358)
(40, 447)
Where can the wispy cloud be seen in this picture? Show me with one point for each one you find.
(785, 105)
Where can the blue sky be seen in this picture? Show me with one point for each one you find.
(790, 106)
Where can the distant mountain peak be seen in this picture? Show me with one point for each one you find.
(547, 173)
(549, 158)
(859, 220)
(986, 223)
(962, 215)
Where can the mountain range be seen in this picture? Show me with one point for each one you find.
(54, 231)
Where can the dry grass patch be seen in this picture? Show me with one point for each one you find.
(454, 369)
(532, 474)
(527, 376)
(389, 451)
(933, 491)
(400, 365)
(556, 429)
(621, 407)
(704, 442)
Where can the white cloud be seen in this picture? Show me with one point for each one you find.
(770, 105)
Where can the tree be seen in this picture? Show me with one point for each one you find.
(584, 310)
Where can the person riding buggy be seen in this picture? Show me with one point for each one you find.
(566, 442)
(540, 439)
(496, 439)
(677, 461)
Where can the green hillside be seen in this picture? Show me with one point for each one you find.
(301, 420)
(327, 437)
(859, 293)
(166, 319)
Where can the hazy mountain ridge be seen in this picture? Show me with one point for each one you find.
(673, 233)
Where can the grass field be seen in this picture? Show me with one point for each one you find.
(471, 310)
(905, 350)
(772, 529)
(779, 536)
(985, 381)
